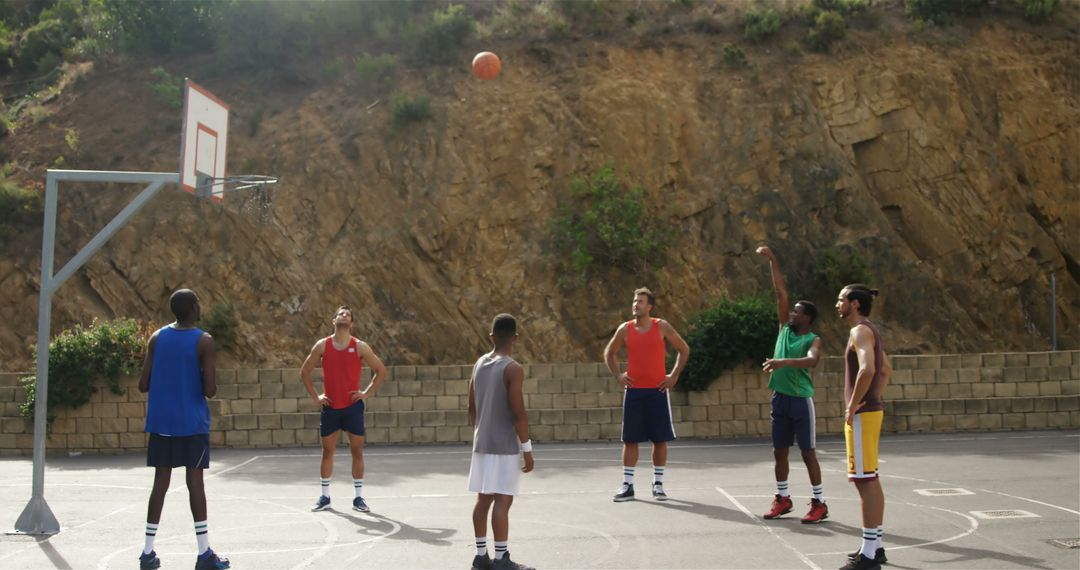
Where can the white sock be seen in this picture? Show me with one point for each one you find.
(324, 482)
(481, 546)
(358, 486)
(658, 474)
(880, 533)
(151, 532)
(819, 492)
(869, 537)
(500, 549)
(782, 489)
(201, 536)
(628, 475)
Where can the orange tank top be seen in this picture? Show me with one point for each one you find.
(645, 354)
(341, 372)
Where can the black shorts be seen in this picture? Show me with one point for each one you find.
(647, 416)
(793, 419)
(191, 451)
(350, 419)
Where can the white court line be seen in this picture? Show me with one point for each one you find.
(1031, 501)
(758, 521)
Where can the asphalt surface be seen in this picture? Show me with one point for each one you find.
(259, 504)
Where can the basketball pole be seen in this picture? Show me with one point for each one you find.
(37, 518)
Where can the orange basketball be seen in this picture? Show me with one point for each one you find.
(486, 65)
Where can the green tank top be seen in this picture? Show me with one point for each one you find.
(789, 380)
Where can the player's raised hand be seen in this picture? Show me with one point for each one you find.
(764, 250)
(528, 457)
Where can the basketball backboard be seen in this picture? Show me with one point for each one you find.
(204, 138)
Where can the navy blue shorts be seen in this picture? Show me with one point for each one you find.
(646, 416)
(793, 419)
(186, 451)
(350, 419)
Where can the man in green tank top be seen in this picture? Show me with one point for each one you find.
(793, 416)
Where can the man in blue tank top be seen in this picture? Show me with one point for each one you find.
(179, 374)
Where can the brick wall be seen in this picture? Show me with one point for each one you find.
(575, 402)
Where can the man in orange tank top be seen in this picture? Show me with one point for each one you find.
(341, 404)
(646, 382)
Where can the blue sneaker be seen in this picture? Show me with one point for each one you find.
(322, 504)
(149, 561)
(209, 560)
(358, 504)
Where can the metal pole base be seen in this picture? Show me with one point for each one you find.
(36, 518)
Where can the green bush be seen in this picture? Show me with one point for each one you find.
(440, 40)
(759, 25)
(40, 46)
(841, 6)
(828, 28)
(164, 26)
(605, 224)
(942, 11)
(221, 323)
(80, 358)
(1038, 10)
(20, 210)
(406, 110)
(377, 69)
(833, 269)
(734, 56)
(168, 89)
(730, 333)
(332, 69)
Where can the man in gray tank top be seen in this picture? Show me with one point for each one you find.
(500, 442)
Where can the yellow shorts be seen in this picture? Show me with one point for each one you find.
(862, 445)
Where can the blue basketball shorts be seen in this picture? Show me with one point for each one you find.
(647, 416)
(191, 451)
(350, 419)
(793, 419)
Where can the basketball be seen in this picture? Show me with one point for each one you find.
(486, 66)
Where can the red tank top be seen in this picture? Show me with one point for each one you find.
(645, 354)
(341, 372)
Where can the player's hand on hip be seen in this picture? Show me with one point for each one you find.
(849, 413)
(358, 395)
(668, 383)
(625, 380)
(528, 462)
(323, 400)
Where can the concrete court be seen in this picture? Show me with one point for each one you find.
(564, 518)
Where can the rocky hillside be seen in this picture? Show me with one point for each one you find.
(947, 160)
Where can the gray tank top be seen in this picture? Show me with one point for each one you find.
(494, 433)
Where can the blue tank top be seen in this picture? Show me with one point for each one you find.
(176, 405)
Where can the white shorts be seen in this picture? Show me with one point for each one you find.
(495, 474)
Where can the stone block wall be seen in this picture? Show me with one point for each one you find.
(581, 402)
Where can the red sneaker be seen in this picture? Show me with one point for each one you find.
(780, 506)
(819, 511)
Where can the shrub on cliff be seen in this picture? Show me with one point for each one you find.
(730, 333)
(81, 357)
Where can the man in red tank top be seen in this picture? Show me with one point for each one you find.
(646, 382)
(342, 357)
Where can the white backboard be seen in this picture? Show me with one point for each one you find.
(204, 139)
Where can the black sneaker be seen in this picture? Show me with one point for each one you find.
(626, 493)
(658, 492)
(209, 560)
(505, 563)
(861, 562)
(879, 555)
(481, 562)
(149, 561)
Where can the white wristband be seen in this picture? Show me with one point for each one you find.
(526, 447)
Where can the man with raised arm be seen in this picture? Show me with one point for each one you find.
(793, 415)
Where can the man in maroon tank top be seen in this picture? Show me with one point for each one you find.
(342, 357)
(646, 382)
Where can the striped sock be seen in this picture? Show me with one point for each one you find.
(880, 533)
(151, 532)
(658, 473)
(481, 546)
(628, 475)
(324, 482)
(500, 549)
(819, 492)
(201, 536)
(869, 537)
(358, 486)
(782, 489)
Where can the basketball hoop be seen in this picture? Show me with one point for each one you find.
(252, 191)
